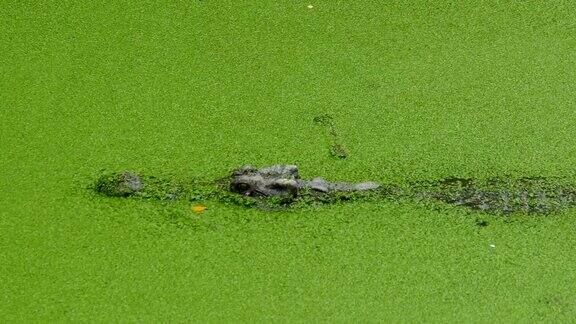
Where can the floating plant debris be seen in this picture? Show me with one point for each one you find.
(337, 149)
(198, 208)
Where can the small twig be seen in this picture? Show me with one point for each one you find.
(337, 149)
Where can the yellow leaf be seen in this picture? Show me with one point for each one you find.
(198, 208)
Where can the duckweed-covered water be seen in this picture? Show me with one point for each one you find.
(418, 91)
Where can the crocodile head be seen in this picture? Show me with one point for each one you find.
(276, 180)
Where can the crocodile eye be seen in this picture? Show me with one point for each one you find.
(241, 187)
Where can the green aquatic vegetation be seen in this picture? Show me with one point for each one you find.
(188, 89)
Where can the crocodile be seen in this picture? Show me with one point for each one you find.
(280, 185)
